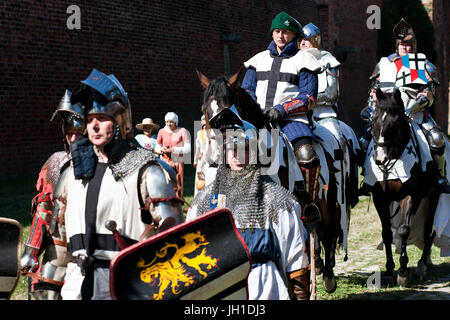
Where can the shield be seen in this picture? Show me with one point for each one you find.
(204, 258)
(411, 70)
(10, 240)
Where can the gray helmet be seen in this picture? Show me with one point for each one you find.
(102, 94)
(72, 115)
(312, 33)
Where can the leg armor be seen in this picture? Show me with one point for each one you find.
(308, 193)
(366, 114)
(436, 141)
(310, 166)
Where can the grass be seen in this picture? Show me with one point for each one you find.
(352, 275)
(364, 260)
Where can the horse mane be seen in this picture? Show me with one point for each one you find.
(218, 88)
(394, 106)
(396, 123)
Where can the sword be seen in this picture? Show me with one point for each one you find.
(111, 225)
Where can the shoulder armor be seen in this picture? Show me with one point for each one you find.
(54, 164)
(132, 161)
(329, 59)
(308, 61)
(432, 72)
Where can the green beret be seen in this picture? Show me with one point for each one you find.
(284, 21)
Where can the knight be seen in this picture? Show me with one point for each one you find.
(324, 111)
(283, 80)
(266, 214)
(48, 275)
(114, 185)
(417, 79)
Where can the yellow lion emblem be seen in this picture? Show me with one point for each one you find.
(172, 272)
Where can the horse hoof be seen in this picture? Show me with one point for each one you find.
(421, 270)
(402, 280)
(329, 284)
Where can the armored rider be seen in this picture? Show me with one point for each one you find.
(48, 276)
(283, 80)
(326, 107)
(417, 93)
(115, 194)
(267, 216)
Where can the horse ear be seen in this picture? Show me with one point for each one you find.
(233, 80)
(398, 97)
(380, 95)
(204, 81)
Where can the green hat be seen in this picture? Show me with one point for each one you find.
(284, 21)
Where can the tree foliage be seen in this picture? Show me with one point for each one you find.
(416, 15)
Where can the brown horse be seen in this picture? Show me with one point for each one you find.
(391, 134)
(226, 92)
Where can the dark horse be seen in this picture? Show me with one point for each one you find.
(391, 134)
(226, 92)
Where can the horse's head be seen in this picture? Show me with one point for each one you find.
(222, 93)
(390, 128)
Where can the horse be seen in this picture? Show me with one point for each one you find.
(391, 134)
(226, 92)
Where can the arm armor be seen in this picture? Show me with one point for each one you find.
(41, 212)
(157, 190)
(417, 105)
(331, 94)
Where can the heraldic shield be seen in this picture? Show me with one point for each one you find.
(411, 70)
(205, 258)
(10, 240)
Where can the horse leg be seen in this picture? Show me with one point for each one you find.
(407, 208)
(382, 207)
(329, 239)
(329, 244)
(424, 264)
(317, 250)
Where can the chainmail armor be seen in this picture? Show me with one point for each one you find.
(54, 164)
(252, 197)
(131, 161)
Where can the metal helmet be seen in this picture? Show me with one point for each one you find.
(403, 32)
(312, 33)
(71, 115)
(236, 132)
(103, 94)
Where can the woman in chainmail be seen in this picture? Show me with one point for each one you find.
(268, 218)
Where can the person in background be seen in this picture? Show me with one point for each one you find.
(45, 238)
(201, 144)
(147, 139)
(172, 143)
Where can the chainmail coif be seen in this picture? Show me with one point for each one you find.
(250, 196)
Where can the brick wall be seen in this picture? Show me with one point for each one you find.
(153, 47)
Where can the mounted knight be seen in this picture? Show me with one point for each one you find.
(417, 79)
